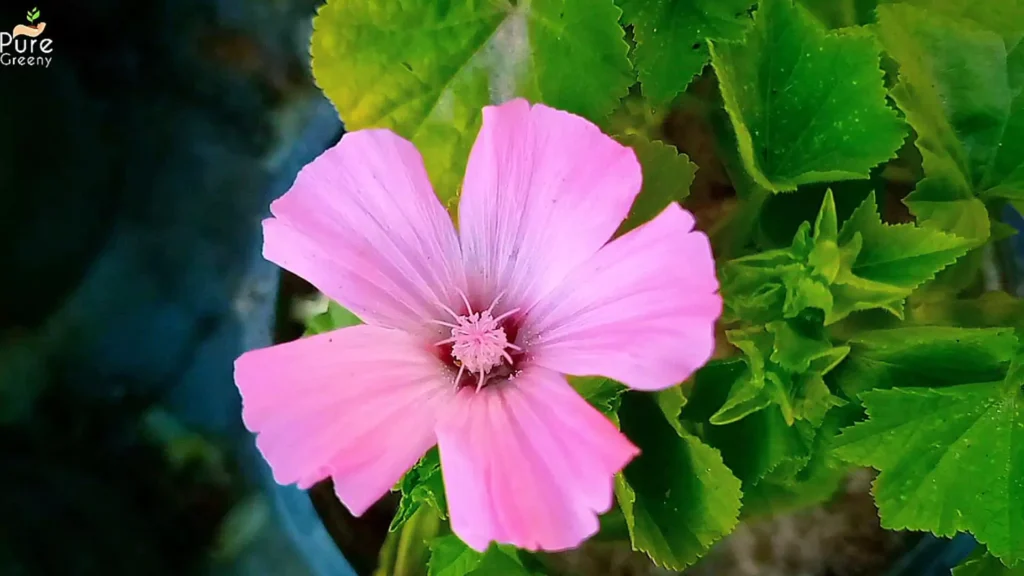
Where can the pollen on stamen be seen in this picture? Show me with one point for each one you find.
(479, 343)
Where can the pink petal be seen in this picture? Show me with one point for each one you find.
(642, 311)
(358, 404)
(544, 190)
(362, 224)
(528, 462)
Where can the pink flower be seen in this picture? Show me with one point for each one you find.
(468, 335)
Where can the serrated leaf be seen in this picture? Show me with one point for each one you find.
(667, 176)
(924, 356)
(883, 264)
(950, 459)
(902, 255)
(424, 484)
(671, 39)
(426, 69)
(678, 497)
(807, 105)
(961, 89)
(981, 563)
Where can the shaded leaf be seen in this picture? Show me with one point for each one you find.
(924, 356)
(678, 497)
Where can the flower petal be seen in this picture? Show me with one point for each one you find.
(642, 311)
(362, 224)
(544, 190)
(528, 462)
(358, 404)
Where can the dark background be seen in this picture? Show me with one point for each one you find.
(134, 173)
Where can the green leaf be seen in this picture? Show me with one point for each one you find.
(602, 393)
(901, 255)
(784, 367)
(672, 401)
(884, 263)
(981, 563)
(671, 39)
(950, 459)
(760, 443)
(924, 356)
(1005, 17)
(842, 13)
(451, 557)
(971, 139)
(667, 176)
(334, 318)
(990, 309)
(424, 484)
(807, 105)
(678, 497)
(406, 552)
(809, 475)
(425, 69)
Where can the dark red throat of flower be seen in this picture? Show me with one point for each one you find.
(480, 349)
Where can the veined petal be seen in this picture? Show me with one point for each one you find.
(528, 462)
(358, 404)
(362, 224)
(544, 190)
(642, 311)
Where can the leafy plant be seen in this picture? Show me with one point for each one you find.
(856, 333)
(33, 15)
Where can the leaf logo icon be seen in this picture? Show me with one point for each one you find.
(33, 15)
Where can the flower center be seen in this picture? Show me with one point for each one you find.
(479, 343)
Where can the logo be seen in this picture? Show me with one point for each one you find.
(24, 46)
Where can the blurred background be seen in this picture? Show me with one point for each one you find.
(134, 173)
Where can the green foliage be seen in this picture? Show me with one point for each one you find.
(33, 15)
(667, 177)
(785, 367)
(424, 484)
(677, 496)
(807, 105)
(425, 69)
(960, 86)
(672, 39)
(867, 264)
(951, 459)
(449, 556)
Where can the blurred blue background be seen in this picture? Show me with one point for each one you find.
(135, 172)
